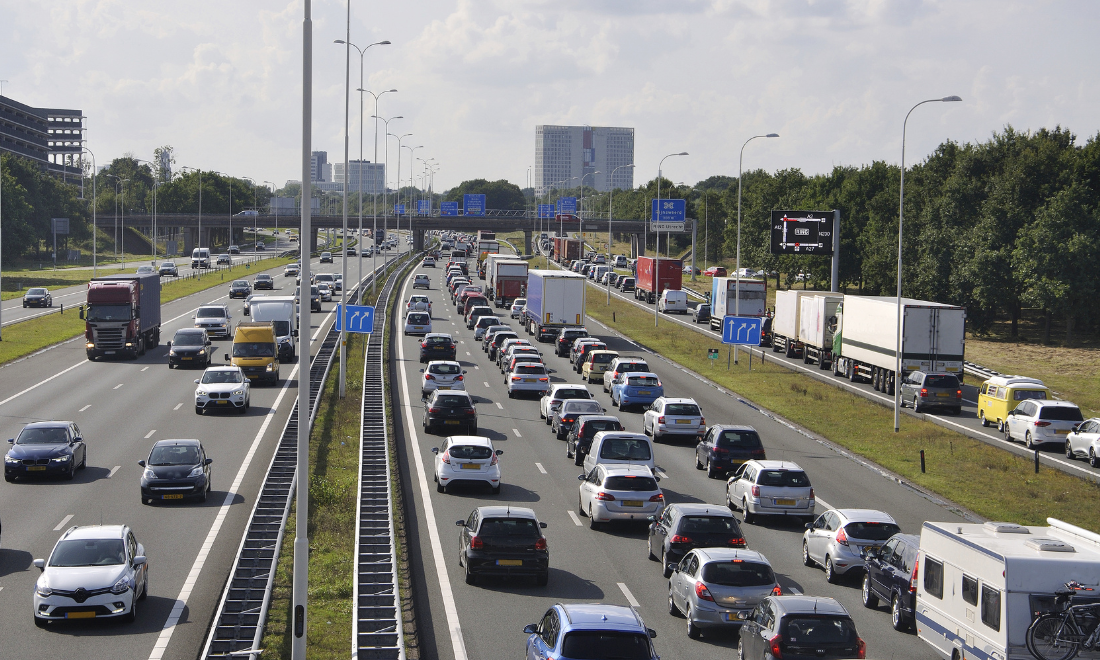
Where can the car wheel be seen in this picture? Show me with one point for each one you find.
(806, 559)
(729, 503)
(580, 507)
(131, 616)
(693, 631)
(145, 586)
(672, 609)
(169, 365)
(831, 576)
(198, 410)
(870, 600)
(1093, 461)
(470, 577)
(1027, 440)
(711, 472)
(1069, 451)
(740, 650)
(592, 523)
(542, 579)
(983, 420)
(71, 473)
(749, 517)
(897, 618)
(1001, 426)
(579, 458)
(440, 488)
(568, 450)
(84, 461)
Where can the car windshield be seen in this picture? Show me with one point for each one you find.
(574, 407)
(941, 381)
(453, 401)
(241, 284)
(108, 313)
(872, 531)
(684, 409)
(282, 328)
(446, 369)
(188, 339)
(630, 483)
(36, 292)
(783, 478)
(253, 349)
(215, 377)
(42, 436)
(471, 452)
(606, 645)
(211, 313)
(802, 629)
(174, 455)
(709, 525)
(1061, 413)
(643, 381)
(572, 394)
(739, 440)
(263, 278)
(521, 527)
(738, 573)
(487, 321)
(89, 552)
(626, 449)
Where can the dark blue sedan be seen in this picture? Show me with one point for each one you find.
(46, 448)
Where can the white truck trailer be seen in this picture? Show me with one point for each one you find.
(723, 298)
(816, 325)
(555, 299)
(283, 312)
(785, 324)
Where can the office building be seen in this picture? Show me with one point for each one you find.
(319, 167)
(373, 176)
(565, 152)
(49, 136)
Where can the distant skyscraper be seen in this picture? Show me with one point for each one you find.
(374, 174)
(564, 152)
(52, 137)
(318, 166)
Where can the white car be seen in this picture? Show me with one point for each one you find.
(549, 404)
(766, 487)
(418, 323)
(466, 459)
(101, 565)
(620, 448)
(528, 377)
(422, 281)
(418, 303)
(516, 309)
(215, 319)
(1084, 441)
(619, 492)
(491, 333)
(1037, 421)
(839, 537)
(515, 350)
(674, 417)
(337, 281)
(224, 388)
(429, 262)
(441, 375)
(673, 302)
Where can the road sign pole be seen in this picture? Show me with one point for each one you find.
(836, 252)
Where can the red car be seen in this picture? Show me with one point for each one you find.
(715, 271)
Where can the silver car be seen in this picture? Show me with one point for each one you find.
(839, 537)
(778, 488)
(441, 375)
(619, 492)
(483, 324)
(719, 587)
(215, 319)
(528, 377)
(516, 310)
(1084, 441)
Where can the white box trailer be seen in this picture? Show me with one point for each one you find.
(283, 312)
(555, 299)
(817, 323)
(785, 324)
(865, 342)
(980, 585)
(723, 296)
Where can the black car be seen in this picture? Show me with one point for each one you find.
(568, 413)
(190, 347)
(264, 281)
(700, 313)
(234, 249)
(37, 297)
(564, 341)
(582, 353)
(800, 628)
(725, 447)
(44, 449)
(891, 572)
(766, 331)
(682, 527)
(450, 409)
(437, 346)
(240, 289)
(260, 247)
(504, 540)
(494, 346)
(579, 440)
(176, 469)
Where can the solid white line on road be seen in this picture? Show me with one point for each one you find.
(499, 406)
(117, 386)
(519, 435)
(486, 383)
(629, 596)
(145, 369)
(539, 465)
(178, 406)
(150, 434)
(196, 568)
(62, 523)
(113, 470)
(85, 408)
(43, 382)
(575, 517)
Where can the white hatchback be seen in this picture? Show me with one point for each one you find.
(549, 404)
(467, 459)
(441, 375)
(674, 417)
(619, 492)
(418, 323)
(517, 307)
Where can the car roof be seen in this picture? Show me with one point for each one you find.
(95, 532)
(497, 511)
(53, 424)
(190, 331)
(598, 418)
(866, 515)
(626, 469)
(621, 434)
(668, 399)
(223, 367)
(1055, 403)
(438, 334)
(1015, 380)
(567, 386)
(727, 554)
(178, 442)
(637, 374)
(703, 509)
(450, 362)
(808, 605)
(454, 392)
(472, 440)
(734, 427)
(777, 465)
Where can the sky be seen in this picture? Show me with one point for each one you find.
(221, 82)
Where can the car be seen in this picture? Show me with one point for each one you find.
(925, 391)
(350, 251)
(521, 355)
(222, 388)
(1037, 422)
(620, 448)
(1084, 441)
(450, 409)
(190, 347)
(584, 428)
(672, 301)
(767, 487)
(517, 349)
(428, 262)
(590, 630)
(688, 270)
(146, 270)
(838, 538)
(682, 528)
(528, 377)
(418, 323)
(477, 312)
(620, 261)
(503, 541)
(568, 413)
(441, 375)
(700, 313)
(550, 403)
(636, 388)
(765, 330)
(505, 346)
(467, 459)
(234, 249)
(325, 291)
(715, 271)
(314, 298)
(516, 309)
(224, 260)
(581, 352)
(799, 628)
(418, 303)
(437, 346)
(623, 364)
(715, 588)
(595, 363)
(422, 281)
(725, 447)
(599, 259)
(44, 449)
(626, 284)
(168, 268)
(483, 324)
(890, 574)
(239, 289)
(248, 212)
(668, 418)
(37, 297)
(176, 469)
(492, 344)
(260, 247)
(337, 281)
(214, 319)
(291, 270)
(264, 281)
(578, 343)
(326, 257)
(627, 493)
(93, 571)
(564, 341)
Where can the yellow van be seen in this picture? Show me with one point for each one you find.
(256, 351)
(1000, 394)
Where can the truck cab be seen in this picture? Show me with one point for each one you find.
(255, 351)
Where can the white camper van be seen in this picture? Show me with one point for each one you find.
(979, 585)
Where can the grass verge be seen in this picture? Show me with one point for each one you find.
(991, 482)
(1072, 372)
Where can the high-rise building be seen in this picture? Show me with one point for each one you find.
(565, 152)
(50, 136)
(319, 167)
(373, 176)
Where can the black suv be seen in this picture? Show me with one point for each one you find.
(566, 336)
(437, 346)
(726, 447)
(800, 628)
(190, 347)
(450, 409)
(579, 440)
(263, 281)
(680, 528)
(891, 577)
(924, 391)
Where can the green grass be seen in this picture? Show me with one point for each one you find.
(987, 480)
(1072, 372)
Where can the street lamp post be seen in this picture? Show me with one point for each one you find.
(397, 218)
(95, 229)
(156, 183)
(374, 231)
(580, 214)
(276, 210)
(657, 256)
(385, 184)
(610, 199)
(901, 218)
(199, 241)
(230, 204)
(737, 275)
(412, 182)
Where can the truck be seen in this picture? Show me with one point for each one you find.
(255, 351)
(785, 324)
(816, 325)
(485, 248)
(649, 284)
(566, 249)
(507, 281)
(122, 315)
(283, 312)
(865, 342)
(555, 299)
(723, 299)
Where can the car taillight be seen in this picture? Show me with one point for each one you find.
(446, 457)
(495, 459)
(861, 648)
(702, 593)
(777, 591)
(736, 542)
(661, 419)
(756, 491)
(475, 543)
(423, 344)
(759, 452)
(923, 392)
(958, 394)
(515, 378)
(544, 380)
(458, 378)
(677, 538)
(773, 643)
(719, 450)
(1038, 423)
(605, 497)
(471, 411)
(659, 497)
(702, 421)
(434, 410)
(812, 493)
(429, 377)
(841, 537)
(913, 577)
(540, 544)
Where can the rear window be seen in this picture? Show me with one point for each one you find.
(626, 449)
(600, 358)
(593, 427)
(738, 573)
(871, 531)
(643, 381)
(686, 409)
(605, 645)
(522, 527)
(418, 318)
(531, 370)
(445, 369)
(1024, 395)
(1061, 413)
(948, 382)
(453, 401)
(573, 394)
(709, 525)
(574, 407)
(210, 312)
(801, 629)
(631, 483)
(471, 452)
(783, 478)
(628, 367)
(433, 341)
(739, 440)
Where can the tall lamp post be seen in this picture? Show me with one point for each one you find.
(276, 210)
(412, 182)
(374, 195)
(385, 184)
(657, 263)
(397, 218)
(230, 204)
(737, 275)
(120, 183)
(95, 230)
(580, 215)
(901, 218)
(199, 241)
(610, 199)
(156, 183)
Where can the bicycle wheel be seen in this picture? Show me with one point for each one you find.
(1044, 638)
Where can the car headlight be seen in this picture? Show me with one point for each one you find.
(238, 393)
(271, 366)
(200, 392)
(61, 459)
(13, 461)
(149, 474)
(196, 472)
(122, 586)
(171, 352)
(43, 589)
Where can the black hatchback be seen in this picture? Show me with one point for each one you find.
(450, 409)
(579, 440)
(437, 346)
(507, 541)
(725, 447)
(565, 339)
(890, 576)
(800, 627)
(680, 528)
(176, 469)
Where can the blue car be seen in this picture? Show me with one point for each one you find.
(46, 449)
(636, 388)
(590, 630)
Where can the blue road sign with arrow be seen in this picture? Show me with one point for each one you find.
(567, 206)
(448, 208)
(741, 330)
(360, 319)
(423, 207)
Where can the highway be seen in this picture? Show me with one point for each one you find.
(485, 620)
(122, 408)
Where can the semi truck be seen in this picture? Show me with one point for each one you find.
(785, 323)
(507, 280)
(122, 316)
(723, 299)
(555, 299)
(816, 324)
(648, 283)
(865, 342)
(566, 249)
(282, 311)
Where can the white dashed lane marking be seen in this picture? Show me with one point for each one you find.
(519, 435)
(117, 386)
(541, 469)
(629, 596)
(150, 434)
(576, 518)
(62, 523)
(178, 406)
(499, 406)
(145, 369)
(113, 470)
(85, 408)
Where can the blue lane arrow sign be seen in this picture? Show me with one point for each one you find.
(360, 319)
(741, 330)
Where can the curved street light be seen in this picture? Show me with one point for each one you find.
(610, 199)
(657, 263)
(737, 275)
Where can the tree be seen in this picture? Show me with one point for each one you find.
(498, 194)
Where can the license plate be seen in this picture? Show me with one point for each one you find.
(737, 461)
(108, 352)
(733, 616)
(942, 394)
(444, 387)
(471, 466)
(80, 615)
(683, 421)
(222, 402)
(36, 468)
(417, 327)
(1066, 432)
(645, 392)
(173, 496)
(451, 421)
(509, 562)
(632, 502)
(784, 502)
(528, 380)
(185, 358)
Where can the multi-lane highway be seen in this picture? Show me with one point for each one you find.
(485, 620)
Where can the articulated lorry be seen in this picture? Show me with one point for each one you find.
(555, 299)
(122, 315)
(566, 249)
(723, 299)
(507, 280)
(785, 324)
(817, 323)
(648, 283)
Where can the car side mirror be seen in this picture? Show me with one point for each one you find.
(209, 343)
(40, 564)
(422, 371)
(227, 357)
(11, 441)
(531, 629)
(196, 381)
(460, 523)
(192, 317)
(463, 371)
(208, 461)
(139, 561)
(81, 313)
(651, 518)
(809, 525)
(435, 450)
(167, 345)
(675, 568)
(651, 632)
(581, 477)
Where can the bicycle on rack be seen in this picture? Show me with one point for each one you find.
(1061, 635)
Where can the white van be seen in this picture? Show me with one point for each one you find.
(619, 448)
(979, 585)
(200, 258)
(673, 301)
(283, 312)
